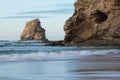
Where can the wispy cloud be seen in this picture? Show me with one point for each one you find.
(23, 17)
(39, 13)
(57, 11)
(65, 5)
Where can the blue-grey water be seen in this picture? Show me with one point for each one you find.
(20, 60)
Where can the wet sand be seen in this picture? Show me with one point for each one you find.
(92, 68)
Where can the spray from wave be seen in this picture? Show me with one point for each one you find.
(60, 55)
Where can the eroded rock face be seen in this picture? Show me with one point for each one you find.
(33, 31)
(93, 20)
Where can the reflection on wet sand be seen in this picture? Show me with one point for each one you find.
(106, 67)
(94, 67)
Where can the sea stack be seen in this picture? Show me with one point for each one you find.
(34, 31)
(94, 20)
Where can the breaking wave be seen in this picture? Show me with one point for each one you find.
(12, 51)
(60, 55)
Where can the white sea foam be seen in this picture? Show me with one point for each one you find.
(61, 55)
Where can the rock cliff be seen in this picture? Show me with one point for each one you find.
(33, 31)
(94, 20)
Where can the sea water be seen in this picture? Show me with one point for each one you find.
(29, 60)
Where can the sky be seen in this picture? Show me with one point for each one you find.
(52, 13)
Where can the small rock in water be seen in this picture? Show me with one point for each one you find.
(34, 31)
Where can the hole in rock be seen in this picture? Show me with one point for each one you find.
(99, 16)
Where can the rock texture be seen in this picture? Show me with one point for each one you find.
(33, 31)
(94, 20)
(55, 43)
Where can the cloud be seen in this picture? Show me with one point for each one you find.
(57, 11)
(23, 17)
(45, 13)
(66, 5)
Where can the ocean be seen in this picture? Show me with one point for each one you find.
(29, 60)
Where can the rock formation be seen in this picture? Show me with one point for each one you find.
(94, 20)
(33, 31)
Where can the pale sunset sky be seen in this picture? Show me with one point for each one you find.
(52, 14)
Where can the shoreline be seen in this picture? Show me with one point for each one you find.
(86, 43)
(61, 43)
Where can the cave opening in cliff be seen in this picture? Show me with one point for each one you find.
(99, 16)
